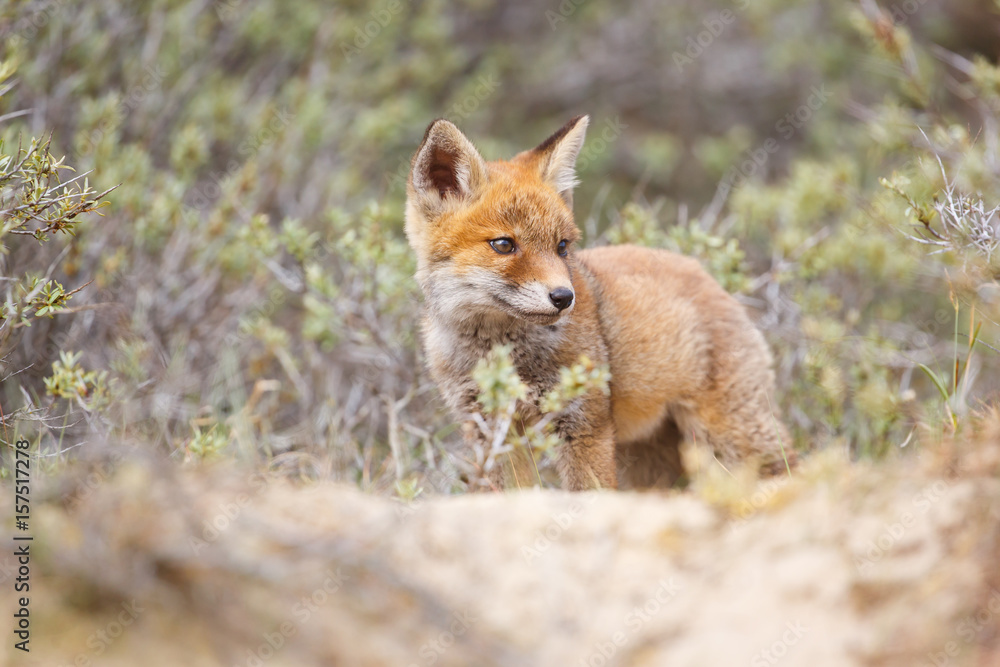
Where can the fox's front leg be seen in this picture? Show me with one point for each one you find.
(475, 442)
(460, 392)
(586, 457)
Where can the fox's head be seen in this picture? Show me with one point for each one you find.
(494, 238)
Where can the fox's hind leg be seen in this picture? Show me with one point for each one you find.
(653, 462)
(739, 429)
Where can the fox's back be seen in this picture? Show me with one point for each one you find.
(664, 319)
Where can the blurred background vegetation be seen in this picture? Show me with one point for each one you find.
(247, 291)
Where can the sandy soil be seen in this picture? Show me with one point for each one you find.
(844, 564)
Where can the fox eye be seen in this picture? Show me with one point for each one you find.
(503, 246)
(562, 248)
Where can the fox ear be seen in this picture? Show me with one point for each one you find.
(557, 157)
(446, 165)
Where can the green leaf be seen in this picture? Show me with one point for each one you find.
(936, 380)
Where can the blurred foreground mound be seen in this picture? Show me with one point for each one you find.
(897, 563)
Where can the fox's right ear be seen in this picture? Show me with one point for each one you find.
(557, 157)
(446, 165)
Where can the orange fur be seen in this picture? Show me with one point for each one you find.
(685, 360)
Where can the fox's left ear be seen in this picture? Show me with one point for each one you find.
(557, 157)
(446, 166)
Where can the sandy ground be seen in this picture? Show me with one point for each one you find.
(844, 564)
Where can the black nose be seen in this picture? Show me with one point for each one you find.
(561, 297)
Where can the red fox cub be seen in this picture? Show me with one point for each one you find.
(498, 264)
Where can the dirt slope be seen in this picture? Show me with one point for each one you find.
(844, 565)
